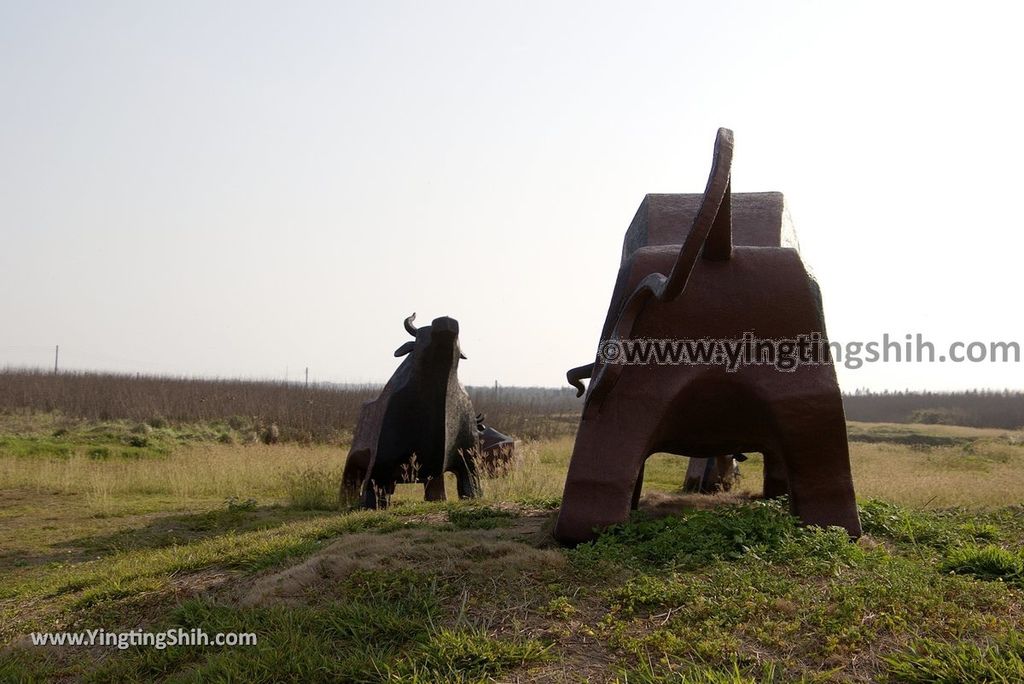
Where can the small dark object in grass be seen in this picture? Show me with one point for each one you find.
(235, 505)
(271, 434)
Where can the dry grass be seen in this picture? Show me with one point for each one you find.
(497, 554)
(983, 469)
(984, 475)
(190, 473)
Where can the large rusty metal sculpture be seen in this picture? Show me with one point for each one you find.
(683, 278)
(421, 426)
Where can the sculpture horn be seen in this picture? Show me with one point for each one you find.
(409, 327)
(575, 375)
(665, 288)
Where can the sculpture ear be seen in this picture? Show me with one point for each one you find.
(461, 355)
(405, 348)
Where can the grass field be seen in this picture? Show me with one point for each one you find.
(120, 525)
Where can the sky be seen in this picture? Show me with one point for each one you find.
(247, 189)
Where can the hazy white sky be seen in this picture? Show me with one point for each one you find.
(245, 188)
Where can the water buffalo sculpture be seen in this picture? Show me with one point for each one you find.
(421, 426)
(497, 450)
(712, 475)
(682, 277)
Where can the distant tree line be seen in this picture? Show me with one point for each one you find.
(974, 408)
(327, 412)
(321, 412)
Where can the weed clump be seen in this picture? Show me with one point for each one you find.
(478, 518)
(157, 422)
(988, 562)
(938, 662)
(312, 489)
(137, 441)
(466, 656)
(99, 453)
(700, 538)
(916, 528)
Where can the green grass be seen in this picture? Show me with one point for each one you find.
(986, 562)
(936, 662)
(234, 538)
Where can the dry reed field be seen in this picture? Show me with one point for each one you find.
(315, 413)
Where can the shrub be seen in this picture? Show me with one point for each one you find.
(270, 434)
(940, 416)
(238, 423)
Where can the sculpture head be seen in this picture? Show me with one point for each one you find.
(436, 345)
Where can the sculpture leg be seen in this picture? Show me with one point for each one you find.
(606, 461)
(373, 496)
(433, 489)
(467, 479)
(817, 459)
(726, 469)
(353, 476)
(377, 495)
(694, 478)
(776, 483)
(637, 490)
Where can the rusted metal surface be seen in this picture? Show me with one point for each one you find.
(711, 266)
(421, 426)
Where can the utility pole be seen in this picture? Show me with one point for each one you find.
(307, 377)
(56, 359)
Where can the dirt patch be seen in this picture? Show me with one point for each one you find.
(661, 504)
(451, 553)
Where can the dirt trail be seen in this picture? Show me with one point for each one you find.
(519, 547)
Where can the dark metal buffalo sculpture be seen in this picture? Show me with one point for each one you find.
(421, 426)
(497, 450)
(712, 475)
(681, 277)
